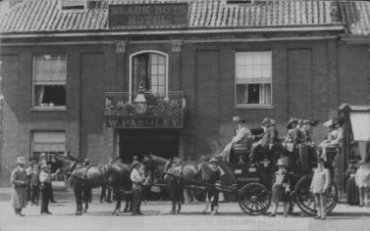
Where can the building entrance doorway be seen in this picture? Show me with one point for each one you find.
(160, 142)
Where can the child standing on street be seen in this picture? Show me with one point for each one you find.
(362, 182)
(281, 188)
(319, 186)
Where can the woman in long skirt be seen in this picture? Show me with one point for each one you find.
(351, 187)
(19, 191)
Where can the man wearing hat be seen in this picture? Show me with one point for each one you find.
(138, 179)
(45, 181)
(19, 191)
(241, 138)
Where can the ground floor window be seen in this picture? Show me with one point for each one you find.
(50, 144)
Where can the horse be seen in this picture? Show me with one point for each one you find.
(201, 173)
(82, 178)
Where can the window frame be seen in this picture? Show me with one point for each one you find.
(253, 106)
(131, 58)
(35, 107)
(32, 145)
(32, 138)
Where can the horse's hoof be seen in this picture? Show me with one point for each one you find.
(214, 212)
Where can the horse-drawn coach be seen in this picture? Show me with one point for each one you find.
(248, 178)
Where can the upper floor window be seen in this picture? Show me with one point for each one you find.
(49, 81)
(150, 69)
(253, 78)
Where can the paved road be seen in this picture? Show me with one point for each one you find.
(156, 218)
(344, 218)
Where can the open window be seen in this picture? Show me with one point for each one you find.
(49, 81)
(253, 79)
(149, 69)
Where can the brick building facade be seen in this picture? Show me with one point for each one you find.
(65, 67)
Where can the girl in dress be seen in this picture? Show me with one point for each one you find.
(362, 182)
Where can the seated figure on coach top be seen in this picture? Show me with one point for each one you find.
(333, 139)
(242, 137)
(267, 140)
(294, 136)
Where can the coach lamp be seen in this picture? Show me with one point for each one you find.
(140, 100)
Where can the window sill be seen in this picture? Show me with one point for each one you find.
(55, 108)
(254, 106)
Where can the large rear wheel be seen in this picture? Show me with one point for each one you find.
(254, 198)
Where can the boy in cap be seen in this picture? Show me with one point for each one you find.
(319, 186)
(281, 188)
(19, 191)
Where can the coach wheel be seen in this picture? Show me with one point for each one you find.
(254, 199)
(305, 199)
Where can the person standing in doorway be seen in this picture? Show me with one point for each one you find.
(319, 186)
(19, 191)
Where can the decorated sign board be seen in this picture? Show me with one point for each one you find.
(143, 122)
(148, 15)
(360, 122)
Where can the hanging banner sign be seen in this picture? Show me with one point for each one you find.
(148, 15)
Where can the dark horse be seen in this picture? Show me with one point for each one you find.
(81, 178)
(200, 173)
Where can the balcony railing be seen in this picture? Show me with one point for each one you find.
(161, 111)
